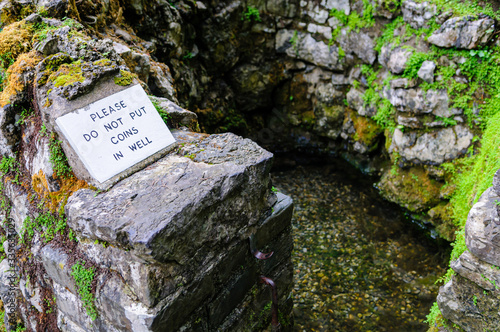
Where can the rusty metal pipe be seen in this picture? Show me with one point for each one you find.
(256, 253)
(275, 324)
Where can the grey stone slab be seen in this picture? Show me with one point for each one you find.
(175, 206)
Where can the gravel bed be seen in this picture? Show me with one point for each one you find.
(360, 264)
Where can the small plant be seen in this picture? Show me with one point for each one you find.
(274, 189)
(341, 53)
(294, 41)
(480, 53)
(72, 236)
(474, 300)
(164, 115)
(58, 158)
(250, 14)
(46, 223)
(83, 279)
(447, 121)
(189, 55)
(26, 113)
(7, 164)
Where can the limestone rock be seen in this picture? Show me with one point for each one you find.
(426, 71)
(412, 188)
(284, 8)
(178, 115)
(464, 32)
(75, 45)
(416, 14)
(138, 63)
(340, 5)
(303, 46)
(409, 121)
(9, 130)
(394, 59)
(403, 83)
(434, 147)
(160, 81)
(54, 8)
(328, 120)
(322, 30)
(318, 14)
(356, 102)
(482, 228)
(484, 275)
(418, 101)
(360, 44)
(496, 182)
(20, 206)
(465, 304)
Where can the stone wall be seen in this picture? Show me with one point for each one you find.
(333, 77)
(166, 247)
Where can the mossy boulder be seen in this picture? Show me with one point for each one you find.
(361, 131)
(59, 75)
(411, 188)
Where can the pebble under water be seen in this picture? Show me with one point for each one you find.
(360, 263)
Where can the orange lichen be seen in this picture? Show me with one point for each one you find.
(16, 82)
(53, 200)
(367, 130)
(14, 40)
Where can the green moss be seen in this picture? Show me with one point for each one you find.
(353, 21)
(467, 7)
(58, 158)
(66, 74)
(367, 130)
(103, 62)
(125, 78)
(412, 188)
(83, 279)
(250, 14)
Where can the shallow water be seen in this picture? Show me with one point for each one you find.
(360, 263)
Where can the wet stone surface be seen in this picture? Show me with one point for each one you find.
(360, 265)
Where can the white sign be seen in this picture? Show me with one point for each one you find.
(114, 133)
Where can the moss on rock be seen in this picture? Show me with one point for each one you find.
(14, 40)
(411, 188)
(125, 78)
(67, 74)
(16, 71)
(367, 130)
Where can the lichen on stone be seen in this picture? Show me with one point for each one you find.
(367, 130)
(49, 64)
(67, 74)
(17, 82)
(125, 78)
(53, 200)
